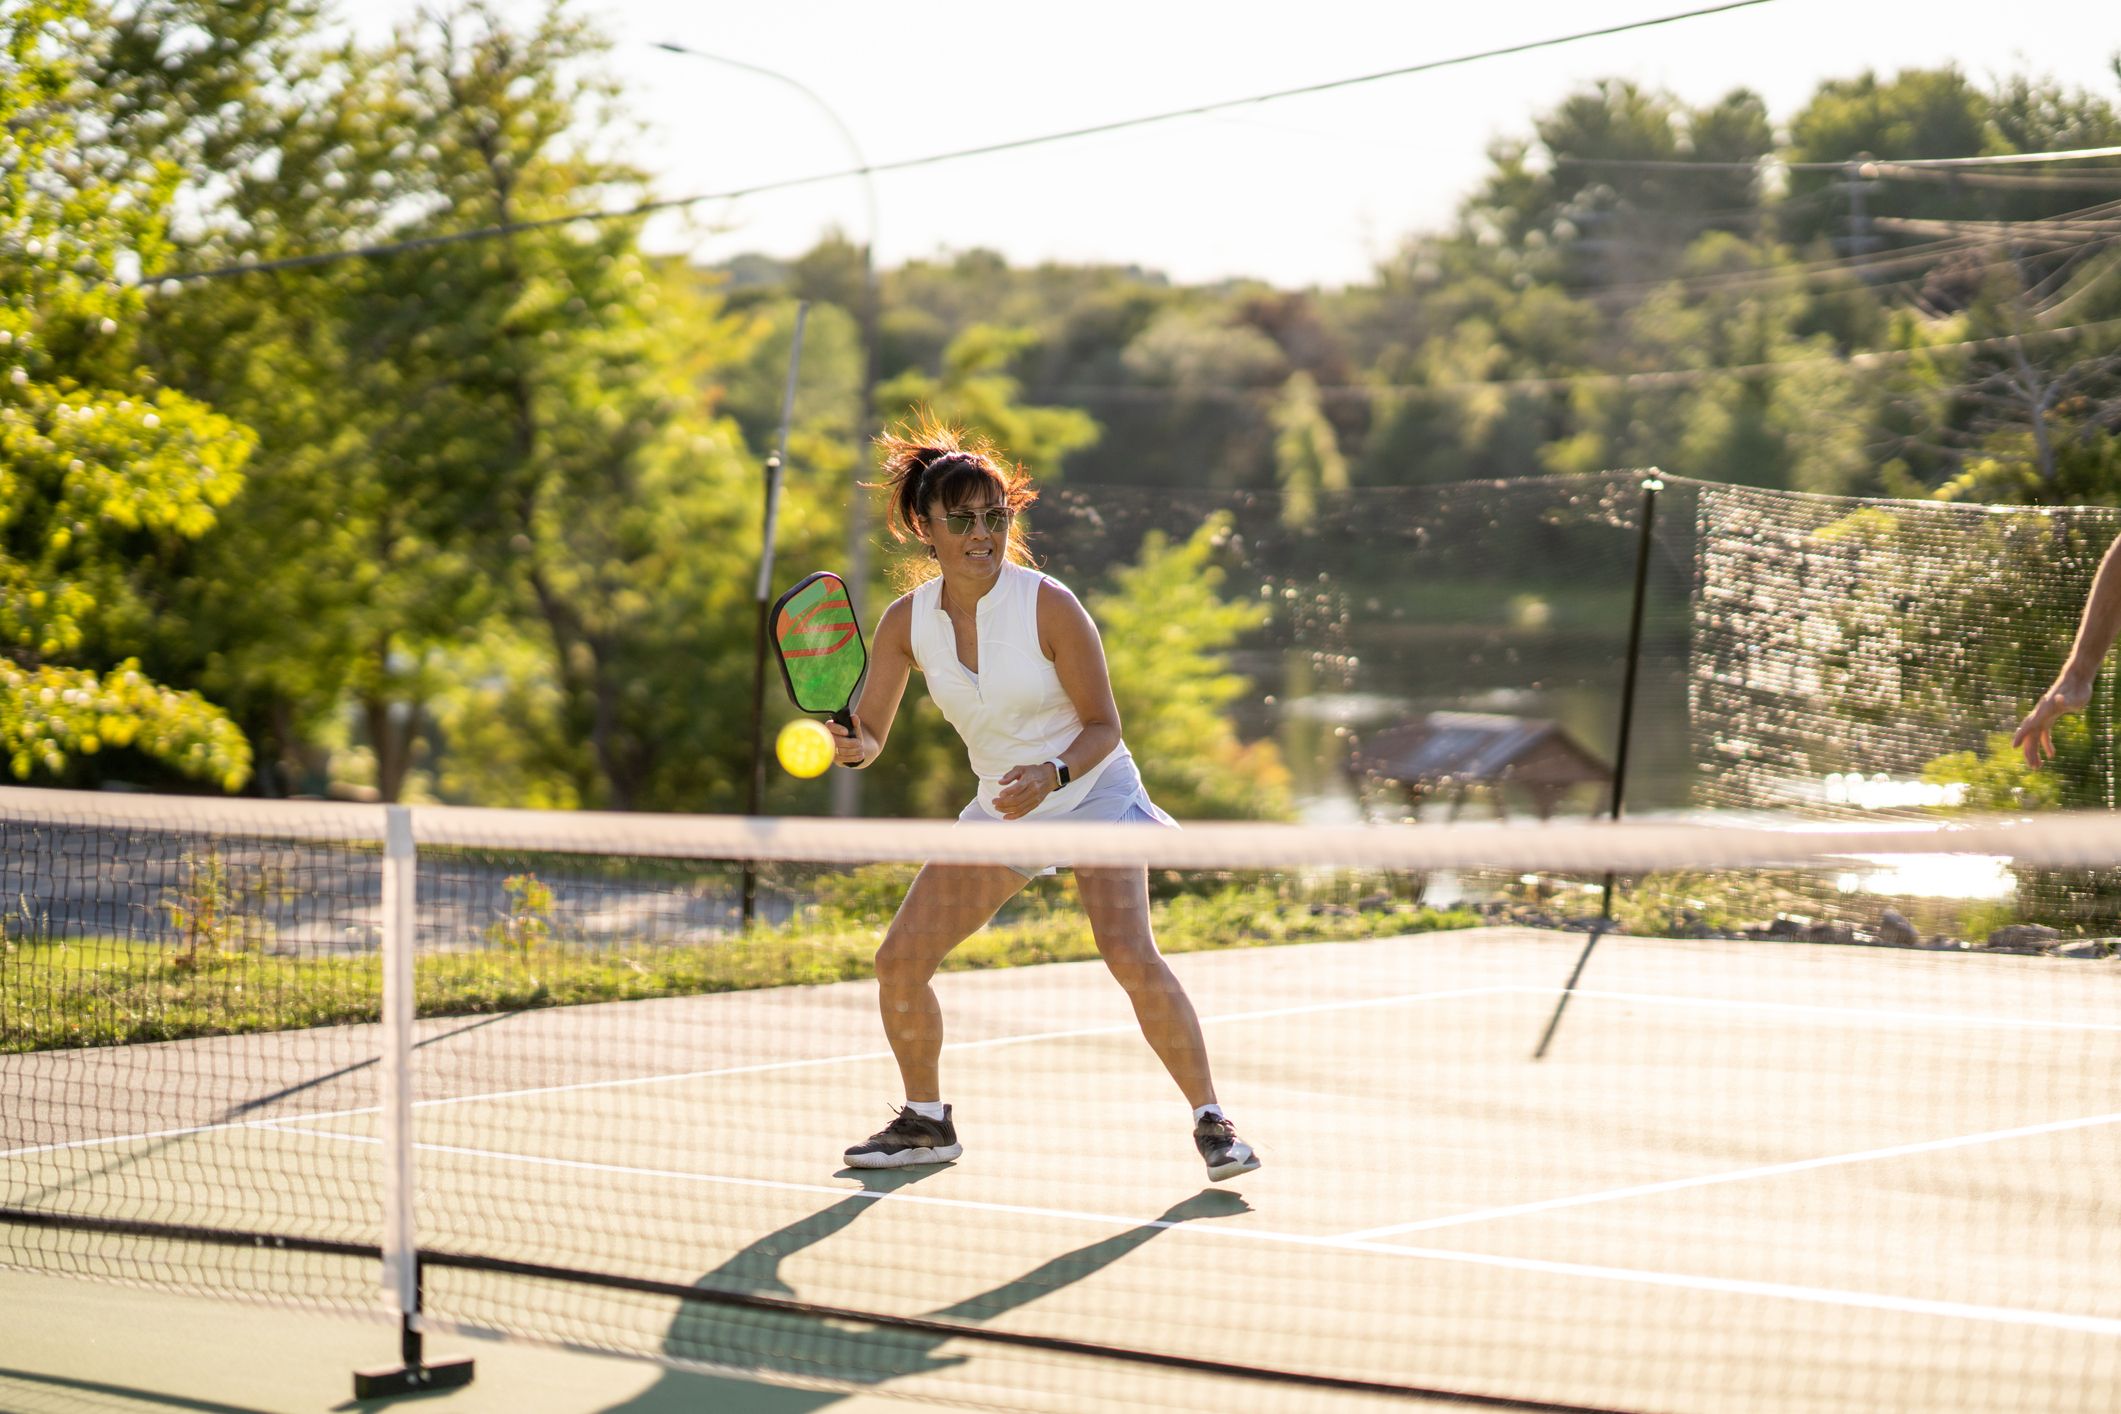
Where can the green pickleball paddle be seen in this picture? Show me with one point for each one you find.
(819, 645)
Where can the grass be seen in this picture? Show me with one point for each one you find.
(95, 992)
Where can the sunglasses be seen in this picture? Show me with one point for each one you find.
(992, 519)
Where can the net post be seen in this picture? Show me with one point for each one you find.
(1652, 483)
(755, 793)
(401, 1255)
(763, 593)
(1645, 539)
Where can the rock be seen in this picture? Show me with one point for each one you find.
(1941, 943)
(2083, 947)
(1375, 903)
(2022, 937)
(1828, 933)
(1895, 931)
(1785, 928)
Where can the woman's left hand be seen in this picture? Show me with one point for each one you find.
(1023, 788)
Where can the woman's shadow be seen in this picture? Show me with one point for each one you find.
(776, 1344)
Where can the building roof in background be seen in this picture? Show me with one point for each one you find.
(1481, 746)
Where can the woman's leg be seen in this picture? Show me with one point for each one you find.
(947, 904)
(1117, 901)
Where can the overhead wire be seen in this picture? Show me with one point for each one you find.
(2078, 179)
(643, 209)
(1865, 164)
(1865, 264)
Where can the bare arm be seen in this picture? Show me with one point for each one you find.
(890, 664)
(1067, 636)
(2072, 687)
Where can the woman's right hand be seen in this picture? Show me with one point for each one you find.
(847, 748)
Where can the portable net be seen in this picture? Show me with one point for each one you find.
(178, 981)
(1759, 1167)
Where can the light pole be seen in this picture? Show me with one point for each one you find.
(846, 785)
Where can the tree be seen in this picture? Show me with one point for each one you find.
(1307, 459)
(975, 390)
(326, 579)
(103, 474)
(498, 486)
(1606, 205)
(1168, 633)
(1922, 113)
(2031, 412)
(560, 416)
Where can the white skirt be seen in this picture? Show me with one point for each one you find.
(1116, 797)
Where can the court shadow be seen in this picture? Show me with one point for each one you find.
(235, 1114)
(778, 1346)
(60, 1394)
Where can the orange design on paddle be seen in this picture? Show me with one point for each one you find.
(808, 625)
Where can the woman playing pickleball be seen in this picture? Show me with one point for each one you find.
(1015, 664)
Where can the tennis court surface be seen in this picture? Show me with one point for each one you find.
(1746, 1174)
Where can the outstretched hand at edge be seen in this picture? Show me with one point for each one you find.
(2035, 735)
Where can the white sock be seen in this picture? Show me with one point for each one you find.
(927, 1109)
(1205, 1110)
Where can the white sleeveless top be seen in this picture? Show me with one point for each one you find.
(1013, 712)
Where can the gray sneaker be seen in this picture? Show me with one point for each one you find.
(1226, 1155)
(908, 1139)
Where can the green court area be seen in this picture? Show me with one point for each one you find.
(1748, 1176)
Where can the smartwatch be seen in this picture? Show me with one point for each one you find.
(1060, 772)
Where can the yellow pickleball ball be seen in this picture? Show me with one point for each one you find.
(804, 748)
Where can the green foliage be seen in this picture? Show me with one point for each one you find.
(1307, 459)
(51, 716)
(104, 476)
(97, 993)
(1167, 633)
(527, 922)
(217, 908)
(975, 390)
(521, 525)
(1997, 778)
(2083, 469)
(2075, 778)
(479, 519)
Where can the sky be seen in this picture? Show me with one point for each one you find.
(1308, 191)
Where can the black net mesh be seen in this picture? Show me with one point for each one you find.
(173, 993)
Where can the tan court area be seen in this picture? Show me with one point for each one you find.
(1748, 1177)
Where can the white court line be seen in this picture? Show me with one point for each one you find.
(149, 1135)
(1669, 999)
(1021, 1038)
(1612, 1195)
(1930, 1018)
(1128, 1028)
(1818, 1295)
